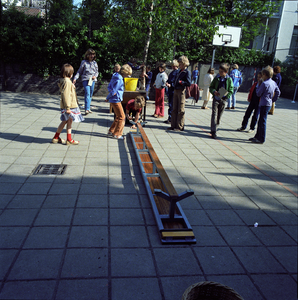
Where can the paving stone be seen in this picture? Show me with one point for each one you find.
(27, 201)
(239, 236)
(88, 236)
(218, 260)
(126, 216)
(17, 217)
(91, 216)
(224, 217)
(136, 288)
(35, 188)
(84, 263)
(207, 236)
(281, 286)
(4, 200)
(287, 256)
(166, 260)
(81, 289)
(9, 188)
(126, 262)
(124, 201)
(60, 201)
(28, 290)
(12, 237)
(36, 264)
(95, 201)
(46, 237)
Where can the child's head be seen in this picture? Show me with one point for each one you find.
(162, 67)
(117, 68)
(223, 69)
(196, 68)
(126, 70)
(175, 64)
(139, 102)
(259, 76)
(148, 68)
(90, 54)
(234, 66)
(267, 73)
(66, 71)
(183, 62)
(211, 71)
(276, 69)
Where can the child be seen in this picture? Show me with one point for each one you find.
(218, 104)
(207, 81)
(253, 100)
(69, 106)
(116, 88)
(134, 109)
(170, 85)
(268, 93)
(160, 84)
(237, 80)
(182, 80)
(148, 76)
(117, 68)
(195, 74)
(277, 78)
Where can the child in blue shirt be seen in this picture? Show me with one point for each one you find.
(115, 96)
(268, 92)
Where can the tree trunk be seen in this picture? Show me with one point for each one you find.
(146, 48)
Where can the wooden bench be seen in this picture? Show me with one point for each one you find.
(170, 218)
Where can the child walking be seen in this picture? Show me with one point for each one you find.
(116, 88)
(160, 84)
(221, 80)
(69, 106)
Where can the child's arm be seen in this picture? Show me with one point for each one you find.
(230, 89)
(276, 94)
(96, 71)
(66, 96)
(260, 90)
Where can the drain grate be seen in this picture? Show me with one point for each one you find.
(50, 170)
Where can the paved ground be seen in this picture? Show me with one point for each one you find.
(90, 233)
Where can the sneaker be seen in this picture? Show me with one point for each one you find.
(251, 139)
(228, 107)
(170, 128)
(251, 131)
(240, 129)
(213, 135)
(233, 107)
(256, 141)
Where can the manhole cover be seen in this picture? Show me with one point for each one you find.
(50, 170)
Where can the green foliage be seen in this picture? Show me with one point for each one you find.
(118, 30)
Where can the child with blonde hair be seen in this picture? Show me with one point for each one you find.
(69, 105)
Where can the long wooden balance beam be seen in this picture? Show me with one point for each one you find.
(170, 218)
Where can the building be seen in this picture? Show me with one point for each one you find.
(281, 37)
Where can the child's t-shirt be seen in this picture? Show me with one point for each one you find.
(131, 106)
(161, 79)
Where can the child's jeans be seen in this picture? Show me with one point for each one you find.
(261, 131)
(88, 93)
(119, 121)
(233, 98)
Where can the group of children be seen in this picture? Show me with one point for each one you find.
(262, 96)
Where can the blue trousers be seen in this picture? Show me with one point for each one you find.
(261, 131)
(88, 93)
(170, 99)
(233, 98)
(147, 90)
(251, 107)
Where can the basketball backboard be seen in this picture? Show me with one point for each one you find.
(228, 36)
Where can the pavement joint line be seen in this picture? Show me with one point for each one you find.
(256, 167)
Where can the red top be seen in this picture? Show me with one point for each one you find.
(131, 106)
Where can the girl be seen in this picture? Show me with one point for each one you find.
(89, 71)
(116, 88)
(69, 106)
(160, 84)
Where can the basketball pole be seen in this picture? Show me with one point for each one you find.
(213, 56)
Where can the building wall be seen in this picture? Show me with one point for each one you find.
(288, 21)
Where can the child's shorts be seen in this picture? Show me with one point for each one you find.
(75, 115)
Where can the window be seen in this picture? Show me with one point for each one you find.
(294, 42)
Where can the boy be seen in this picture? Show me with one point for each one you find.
(134, 109)
(160, 84)
(268, 93)
(148, 78)
(195, 74)
(218, 105)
